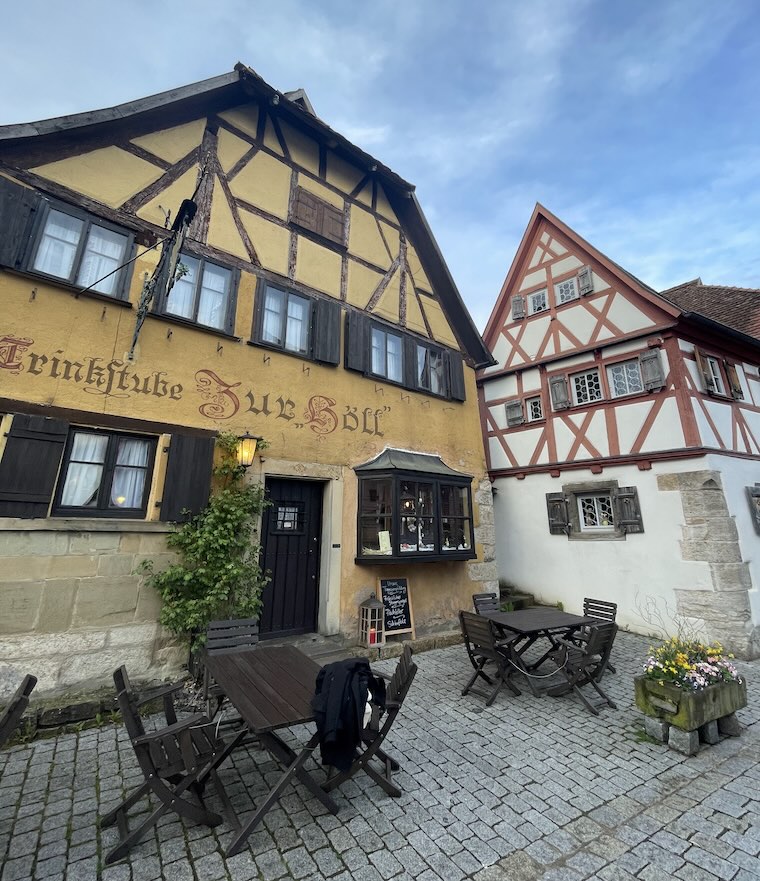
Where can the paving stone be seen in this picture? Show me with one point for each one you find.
(271, 865)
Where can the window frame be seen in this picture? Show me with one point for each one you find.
(610, 381)
(712, 363)
(438, 483)
(260, 311)
(596, 496)
(573, 279)
(101, 508)
(229, 318)
(123, 274)
(438, 350)
(528, 401)
(531, 307)
(566, 518)
(387, 331)
(573, 393)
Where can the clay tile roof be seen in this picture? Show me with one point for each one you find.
(737, 308)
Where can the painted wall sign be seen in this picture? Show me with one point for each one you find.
(394, 593)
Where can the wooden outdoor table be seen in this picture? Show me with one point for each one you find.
(271, 688)
(536, 623)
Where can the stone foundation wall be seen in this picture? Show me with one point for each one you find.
(710, 536)
(72, 608)
(485, 572)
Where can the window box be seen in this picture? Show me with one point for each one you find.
(413, 508)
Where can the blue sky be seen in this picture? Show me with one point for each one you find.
(637, 123)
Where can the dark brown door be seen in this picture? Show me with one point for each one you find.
(291, 539)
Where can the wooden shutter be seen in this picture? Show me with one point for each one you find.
(708, 381)
(585, 281)
(333, 224)
(411, 374)
(518, 307)
(514, 413)
(307, 210)
(559, 392)
(559, 517)
(326, 331)
(753, 497)
(651, 370)
(30, 464)
(188, 477)
(456, 376)
(17, 207)
(627, 511)
(357, 341)
(734, 385)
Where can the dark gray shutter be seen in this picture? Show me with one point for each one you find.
(332, 223)
(559, 392)
(411, 374)
(188, 477)
(307, 210)
(559, 518)
(456, 376)
(326, 331)
(585, 281)
(258, 310)
(753, 497)
(734, 386)
(514, 413)
(17, 207)
(518, 307)
(357, 341)
(651, 370)
(627, 510)
(29, 466)
(707, 379)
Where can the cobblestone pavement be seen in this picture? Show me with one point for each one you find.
(530, 788)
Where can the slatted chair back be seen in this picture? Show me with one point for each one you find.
(232, 635)
(377, 729)
(485, 602)
(175, 761)
(584, 664)
(599, 609)
(16, 707)
(480, 636)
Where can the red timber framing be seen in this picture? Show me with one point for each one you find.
(681, 417)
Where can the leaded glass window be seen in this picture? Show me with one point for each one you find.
(538, 302)
(566, 291)
(596, 511)
(625, 378)
(534, 408)
(586, 387)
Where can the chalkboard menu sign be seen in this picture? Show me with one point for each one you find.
(399, 618)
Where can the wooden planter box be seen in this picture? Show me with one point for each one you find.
(685, 709)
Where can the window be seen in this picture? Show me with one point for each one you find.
(715, 377)
(202, 294)
(73, 247)
(537, 302)
(625, 378)
(318, 216)
(586, 387)
(431, 370)
(289, 517)
(534, 409)
(413, 515)
(386, 356)
(286, 320)
(105, 474)
(566, 291)
(596, 510)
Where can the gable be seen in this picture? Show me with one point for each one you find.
(565, 298)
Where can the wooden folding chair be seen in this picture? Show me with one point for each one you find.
(376, 730)
(485, 602)
(175, 760)
(603, 611)
(11, 715)
(484, 644)
(234, 635)
(583, 665)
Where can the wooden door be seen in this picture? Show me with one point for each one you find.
(291, 531)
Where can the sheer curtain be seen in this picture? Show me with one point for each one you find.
(394, 357)
(181, 300)
(212, 309)
(88, 453)
(103, 253)
(129, 475)
(378, 352)
(58, 245)
(296, 334)
(271, 328)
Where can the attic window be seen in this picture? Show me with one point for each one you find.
(313, 214)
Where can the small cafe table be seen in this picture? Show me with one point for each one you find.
(271, 688)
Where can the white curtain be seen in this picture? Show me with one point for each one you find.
(103, 254)
(378, 352)
(129, 475)
(393, 348)
(58, 245)
(88, 453)
(270, 331)
(296, 334)
(182, 296)
(212, 309)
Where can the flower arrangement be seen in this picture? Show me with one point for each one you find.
(690, 664)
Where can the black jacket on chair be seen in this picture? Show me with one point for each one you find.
(339, 702)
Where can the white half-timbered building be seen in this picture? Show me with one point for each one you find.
(622, 428)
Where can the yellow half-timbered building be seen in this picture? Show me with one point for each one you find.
(313, 308)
